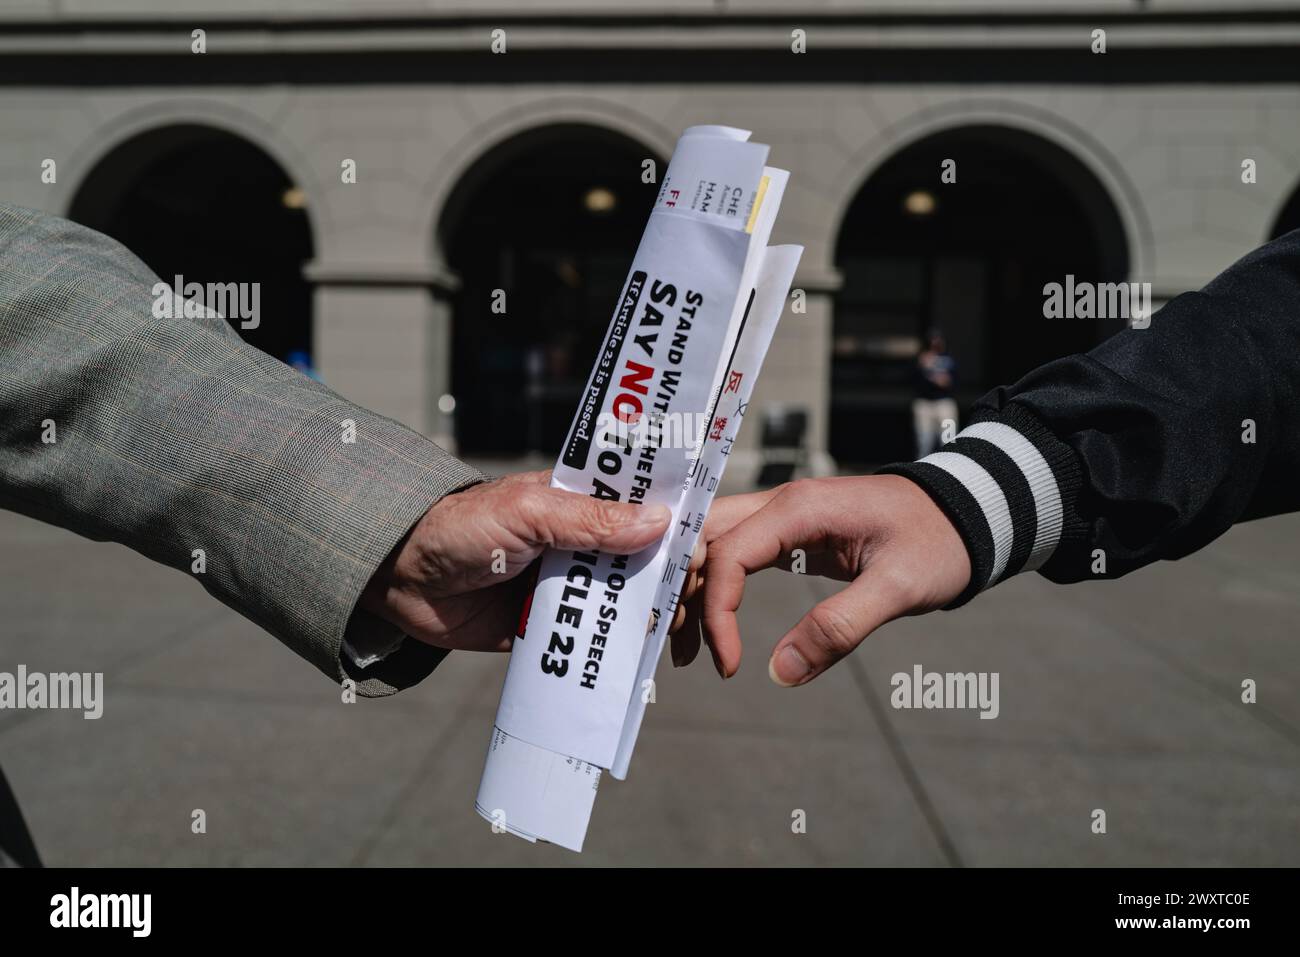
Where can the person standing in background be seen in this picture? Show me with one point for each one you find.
(934, 404)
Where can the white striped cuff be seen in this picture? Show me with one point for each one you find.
(1007, 484)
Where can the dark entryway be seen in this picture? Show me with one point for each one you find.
(970, 259)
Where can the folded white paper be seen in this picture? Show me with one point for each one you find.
(655, 426)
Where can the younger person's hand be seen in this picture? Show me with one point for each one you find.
(881, 533)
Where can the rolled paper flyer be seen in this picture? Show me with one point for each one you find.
(655, 426)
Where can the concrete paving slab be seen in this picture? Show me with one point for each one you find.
(1010, 806)
(1120, 695)
(282, 783)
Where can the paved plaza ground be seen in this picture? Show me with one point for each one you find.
(1123, 696)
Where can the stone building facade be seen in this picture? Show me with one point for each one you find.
(1152, 134)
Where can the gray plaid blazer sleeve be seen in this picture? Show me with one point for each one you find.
(172, 435)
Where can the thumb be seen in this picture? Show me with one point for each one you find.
(831, 630)
(560, 519)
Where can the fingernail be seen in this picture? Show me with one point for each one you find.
(717, 665)
(787, 667)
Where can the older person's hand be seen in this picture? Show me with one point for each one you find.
(454, 581)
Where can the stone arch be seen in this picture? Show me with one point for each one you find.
(1087, 151)
(209, 205)
(523, 120)
(969, 258)
(539, 231)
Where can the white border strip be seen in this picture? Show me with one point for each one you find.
(991, 500)
(1042, 484)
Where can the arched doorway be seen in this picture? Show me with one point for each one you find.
(551, 219)
(202, 203)
(969, 259)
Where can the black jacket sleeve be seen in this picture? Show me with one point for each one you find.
(1148, 447)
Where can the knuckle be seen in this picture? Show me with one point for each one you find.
(796, 489)
(600, 521)
(529, 503)
(801, 491)
(722, 554)
(831, 631)
(719, 549)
